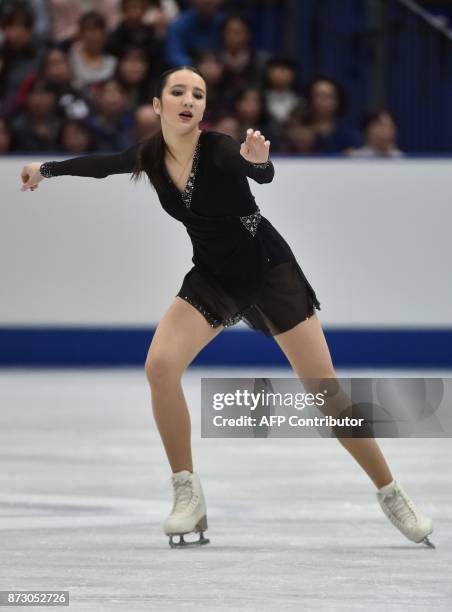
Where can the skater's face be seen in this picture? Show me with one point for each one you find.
(183, 101)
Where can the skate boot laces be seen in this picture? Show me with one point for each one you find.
(401, 507)
(184, 495)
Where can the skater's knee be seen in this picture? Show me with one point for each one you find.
(161, 369)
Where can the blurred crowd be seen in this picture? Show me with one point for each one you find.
(79, 76)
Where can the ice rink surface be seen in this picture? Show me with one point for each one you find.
(294, 524)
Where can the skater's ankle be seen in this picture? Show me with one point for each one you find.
(382, 485)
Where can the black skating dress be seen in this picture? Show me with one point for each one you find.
(243, 268)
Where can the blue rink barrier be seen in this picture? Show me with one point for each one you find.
(113, 346)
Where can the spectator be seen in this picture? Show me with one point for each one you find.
(66, 14)
(134, 32)
(326, 104)
(244, 65)
(5, 138)
(380, 134)
(89, 62)
(281, 95)
(195, 30)
(112, 125)
(19, 55)
(228, 125)
(249, 109)
(147, 122)
(133, 73)
(160, 15)
(76, 137)
(56, 70)
(300, 134)
(212, 70)
(37, 129)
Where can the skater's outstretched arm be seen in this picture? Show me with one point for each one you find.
(95, 166)
(249, 159)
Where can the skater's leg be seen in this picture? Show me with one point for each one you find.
(180, 335)
(307, 351)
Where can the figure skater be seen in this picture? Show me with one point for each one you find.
(243, 270)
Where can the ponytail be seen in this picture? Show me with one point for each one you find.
(150, 160)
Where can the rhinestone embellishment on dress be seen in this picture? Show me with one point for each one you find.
(46, 169)
(251, 222)
(188, 192)
(213, 321)
(263, 165)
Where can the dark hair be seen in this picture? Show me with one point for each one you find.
(17, 13)
(300, 115)
(81, 124)
(124, 2)
(48, 49)
(340, 92)
(114, 81)
(151, 154)
(92, 19)
(42, 84)
(368, 118)
(246, 21)
(242, 92)
(284, 62)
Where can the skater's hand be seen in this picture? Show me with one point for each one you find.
(31, 176)
(255, 149)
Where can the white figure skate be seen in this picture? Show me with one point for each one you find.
(189, 510)
(403, 514)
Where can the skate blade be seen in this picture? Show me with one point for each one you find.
(427, 542)
(183, 544)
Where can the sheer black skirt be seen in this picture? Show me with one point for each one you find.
(285, 299)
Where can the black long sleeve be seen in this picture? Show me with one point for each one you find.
(95, 166)
(227, 157)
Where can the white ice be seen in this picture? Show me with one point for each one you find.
(294, 523)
